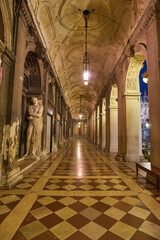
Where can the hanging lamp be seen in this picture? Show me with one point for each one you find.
(86, 61)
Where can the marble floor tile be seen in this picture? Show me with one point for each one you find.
(41, 212)
(63, 230)
(93, 230)
(46, 200)
(109, 200)
(123, 230)
(115, 213)
(33, 229)
(65, 213)
(151, 229)
(81, 196)
(139, 212)
(9, 199)
(90, 213)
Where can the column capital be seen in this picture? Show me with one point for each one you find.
(132, 94)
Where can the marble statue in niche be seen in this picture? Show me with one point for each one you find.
(34, 130)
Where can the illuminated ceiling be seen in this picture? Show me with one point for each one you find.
(62, 27)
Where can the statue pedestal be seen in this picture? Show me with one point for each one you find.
(43, 155)
(10, 179)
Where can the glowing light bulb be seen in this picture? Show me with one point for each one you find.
(147, 125)
(86, 76)
(145, 80)
(85, 83)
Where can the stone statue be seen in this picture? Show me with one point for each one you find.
(34, 131)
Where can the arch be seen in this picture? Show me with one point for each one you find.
(133, 111)
(32, 79)
(114, 119)
(79, 129)
(31, 85)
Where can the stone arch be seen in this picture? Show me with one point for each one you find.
(133, 111)
(31, 87)
(114, 118)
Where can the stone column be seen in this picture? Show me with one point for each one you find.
(96, 125)
(97, 118)
(121, 125)
(100, 124)
(113, 119)
(103, 124)
(113, 129)
(46, 77)
(72, 128)
(133, 127)
(92, 128)
(107, 123)
(153, 61)
(55, 121)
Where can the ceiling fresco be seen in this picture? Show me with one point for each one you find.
(62, 28)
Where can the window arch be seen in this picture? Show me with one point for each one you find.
(32, 79)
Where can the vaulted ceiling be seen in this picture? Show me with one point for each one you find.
(61, 26)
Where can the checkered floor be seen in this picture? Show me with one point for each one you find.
(81, 195)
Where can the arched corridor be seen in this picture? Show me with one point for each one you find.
(80, 194)
(76, 119)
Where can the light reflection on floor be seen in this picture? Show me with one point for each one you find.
(80, 195)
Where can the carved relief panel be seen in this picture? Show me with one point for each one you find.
(132, 80)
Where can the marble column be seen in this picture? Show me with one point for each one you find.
(100, 124)
(96, 126)
(55, 121)
(121, 125)
(107, 124)
(104, 124)
(97, 118)
(113, 129)
(133, 127)
(114, 119)
(153, 61)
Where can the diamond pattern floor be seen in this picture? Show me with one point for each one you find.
(81, 195)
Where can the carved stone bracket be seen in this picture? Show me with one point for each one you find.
(40, 50)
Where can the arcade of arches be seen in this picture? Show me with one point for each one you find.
(54, 165)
